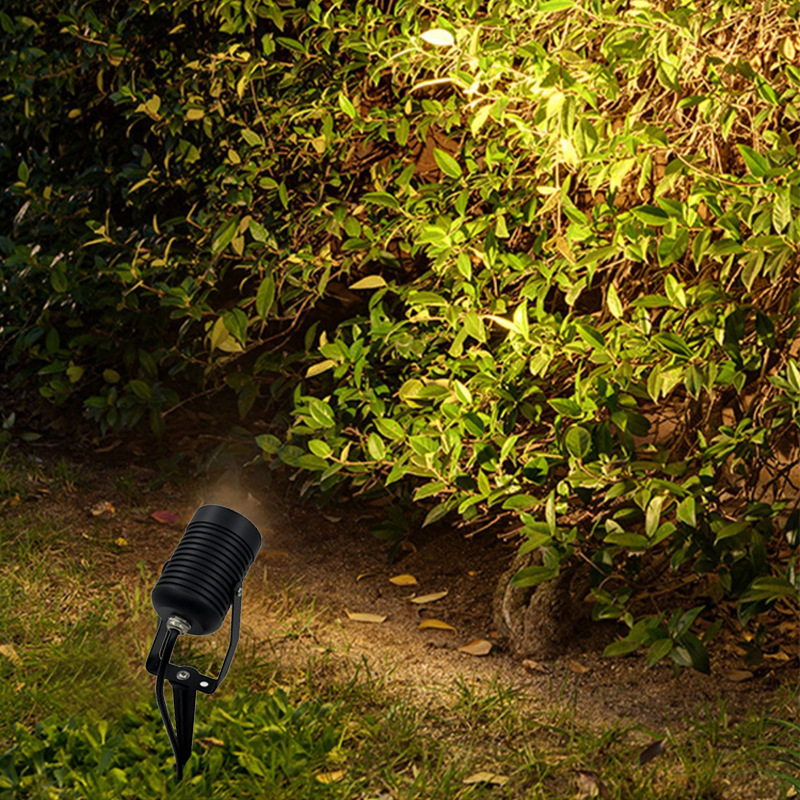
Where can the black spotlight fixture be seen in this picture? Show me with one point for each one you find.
(197, 586)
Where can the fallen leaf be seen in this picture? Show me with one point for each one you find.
(651, 751)
(534, 666)
(429, 598)
(210, 741)
(486, 777)
(577, 667)
(472, 573)
(103, 507)
(331, 777)
(779, 656)
(477, 647)
(332, 519)
(110, 447)
(165, 517)
(739, 675)
(588, 784)
(121, 541)
(403, 580)
(435, 623)
(364, 575)
(358, 616)
(11, 654)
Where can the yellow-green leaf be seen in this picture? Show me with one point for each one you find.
(369, 282)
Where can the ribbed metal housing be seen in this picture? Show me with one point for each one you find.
(210, 561)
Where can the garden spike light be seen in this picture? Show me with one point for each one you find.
(196, 588)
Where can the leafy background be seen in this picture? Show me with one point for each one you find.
(530, 266)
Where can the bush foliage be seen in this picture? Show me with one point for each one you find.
(269, 746)
(531, 264)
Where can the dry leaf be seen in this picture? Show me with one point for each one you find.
(477, 647)
(210, 741)
(358, 616)
(588, 784)
(439, 37)
(651, 751)
(331, 777)
(103, 507)
(779, 656)
(739, 675)
(364, 575)
(435, 623)
(110, 447)
(403, 580)
(577, 667)
(486, 777)
(121, 541)
(11, 654)
(165, 517)
(429, 598)
(534, 666)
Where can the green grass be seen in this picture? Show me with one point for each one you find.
(78, 719)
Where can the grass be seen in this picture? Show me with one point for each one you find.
(77, 716)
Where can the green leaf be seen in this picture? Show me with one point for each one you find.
(691, 653)
(634, 541)
(657, 651)
(674, 344)
(224, 235)
(757, 165)
(318, 369)
(566, 407)
(436, 514)
(578, 441)
(140, 389)
(533, 576)
(346, 106)
(613, 302)
(376, 447)
(591, 335)
(447, 163)
(782, 209)
(768, 588)
(653, 514)
(321, 412)
(381, 199)
(268, 443)
(401, 131)
(674, 291)
(730, 530)
(320, 448)
(390, 428)
(686, 512)
(369, 282)
(621, 648)
(651, 215)
(429, 489)
(670, 249)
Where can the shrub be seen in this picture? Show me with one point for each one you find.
(536, 267)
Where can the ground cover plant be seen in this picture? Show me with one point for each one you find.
(523, 264)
